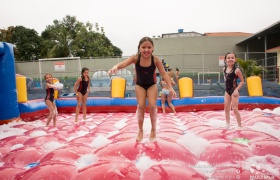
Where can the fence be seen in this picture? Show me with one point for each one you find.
(199, 67)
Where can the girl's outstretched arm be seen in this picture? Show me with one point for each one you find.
(121, 65)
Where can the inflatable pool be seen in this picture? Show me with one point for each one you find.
(191, 144)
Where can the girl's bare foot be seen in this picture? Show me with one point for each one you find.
(153, 136)
(139, 136)
(239, 127)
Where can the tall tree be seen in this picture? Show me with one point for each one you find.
(27, 42)
(69, 37)
(6, 34)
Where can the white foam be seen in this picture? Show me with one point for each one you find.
(37, 123)
(204, 168)
(82, 133)
(76, 135)
(7, 126)
(52, 145)
(267, 111)
(216, 123)
(16, 146)
(144, 163)
(266, 128)
(8, 132)
(183, 127)
(267, 163)
(120, 124)
(257, 110)
(276, 111)
(194, 143)
(112, 133)
(38, 133)
(147, 125)
(114, 167)
(99, 141)
(91, 126)
(86, 160)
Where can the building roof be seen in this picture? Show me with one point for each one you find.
(227, 34)
(276, 49)
(274, 28)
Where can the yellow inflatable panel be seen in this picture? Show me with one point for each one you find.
(55, 91)
(21, 88)
(118, 86)
(254, 86)
(185, 87)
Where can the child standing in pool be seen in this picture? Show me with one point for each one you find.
(49, 99)
(231, 74)
(177, 75)
(165, 96)
(146, 87)
(82, 89)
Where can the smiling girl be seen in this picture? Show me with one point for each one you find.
(145, 67)
(231, 74)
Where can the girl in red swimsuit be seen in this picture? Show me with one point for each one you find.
(146, 87)
(231, 74)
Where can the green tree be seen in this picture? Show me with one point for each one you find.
(26, 42)
(6, 34)
(59, 38)
(69, 37)
(250, 67)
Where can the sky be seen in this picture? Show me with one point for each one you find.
(126, 21)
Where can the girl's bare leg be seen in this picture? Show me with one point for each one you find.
(51, 110)
(234, 102)
(227, 102)
(153, 116)
(141, 95)
(84, 106)
(79, 101)
(170, 104)
(152, 99)
(55, 114)
(163, 99)
(140, 117)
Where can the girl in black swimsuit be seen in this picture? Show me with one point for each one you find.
(146, 88)
(49, 99)
(82, 88)
(231, 74)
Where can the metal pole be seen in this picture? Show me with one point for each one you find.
(40, 73)
(265, 55)
(203, 68)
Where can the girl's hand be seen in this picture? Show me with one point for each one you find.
(235, 93)
(172, 92)
(77, 95)
(113, 70)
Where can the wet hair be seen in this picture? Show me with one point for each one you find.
(47, 74)
(146, 38)
(226, 58)
(83, 70)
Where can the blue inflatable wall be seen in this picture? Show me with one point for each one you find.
(9, 109)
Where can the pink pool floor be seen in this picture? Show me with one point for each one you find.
(190, 145)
